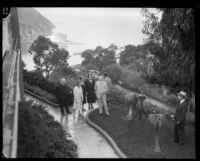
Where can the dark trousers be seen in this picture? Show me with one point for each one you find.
(179, 132)
(62, 108)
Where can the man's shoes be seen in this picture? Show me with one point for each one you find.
(173, 140)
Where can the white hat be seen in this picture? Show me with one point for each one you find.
(182, 93)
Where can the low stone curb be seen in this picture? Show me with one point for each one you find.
(108, 138)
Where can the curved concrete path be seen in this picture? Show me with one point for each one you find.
(91, 144)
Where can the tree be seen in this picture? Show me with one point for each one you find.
(48, 56)
(113, 72)
(100, 57)
(172, 41)
(157, 120)
(136, 57)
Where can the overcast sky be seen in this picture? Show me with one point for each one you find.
(97, 26)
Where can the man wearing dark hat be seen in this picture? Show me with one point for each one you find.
(180, 119)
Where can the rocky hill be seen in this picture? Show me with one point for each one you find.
(32, 23)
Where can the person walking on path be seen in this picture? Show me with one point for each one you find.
(65, 98)
(180, 119)
(78, 99)
(90, 91)
(84, 91)
(109, 84)
(101, 88)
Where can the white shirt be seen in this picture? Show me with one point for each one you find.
(182, 101)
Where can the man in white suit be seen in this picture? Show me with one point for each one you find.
(101, 89)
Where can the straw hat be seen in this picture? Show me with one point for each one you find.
(182, 94)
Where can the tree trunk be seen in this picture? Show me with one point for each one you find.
(157, 144)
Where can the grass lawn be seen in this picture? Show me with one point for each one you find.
(135, 138)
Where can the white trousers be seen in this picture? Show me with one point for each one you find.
(102, 103)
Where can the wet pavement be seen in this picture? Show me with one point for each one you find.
(91, 144)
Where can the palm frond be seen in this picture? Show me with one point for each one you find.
(130, 98)
(157, 119)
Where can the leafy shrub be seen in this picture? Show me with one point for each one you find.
(158, 93)
(57, 74)
(40, 136)
(131, 80)
(113, 72)
(115, 96)
(32, 133)
(36, 79)
(90, 67)
(50, 87)
(38, 91)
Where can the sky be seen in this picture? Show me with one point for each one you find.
(97, 26)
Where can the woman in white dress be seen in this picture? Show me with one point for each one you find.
(78, 98)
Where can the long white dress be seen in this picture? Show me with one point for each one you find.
(78, 98)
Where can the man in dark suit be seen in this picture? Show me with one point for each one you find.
(180, 119)
(65, 96)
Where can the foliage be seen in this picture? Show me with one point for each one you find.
(113, 72)
(135, 138)
(157, 119)
(172, 41)
(40, 136)
(115, 96)
(131, 98)
(99, 57)
(38, 91)
(47, 55)
(34, 78)
(137, 57)
(131, 79)
(134, 81)
(70, 78)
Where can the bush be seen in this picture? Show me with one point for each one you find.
(158, 93)
(113, 72)
(38, 91)
(40, 136)
(115, 96)
(131, 80)
(90, 67)
(50, 87)
(57, 74)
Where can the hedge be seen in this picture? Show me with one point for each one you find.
(40, 136)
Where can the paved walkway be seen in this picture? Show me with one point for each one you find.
(90, 143)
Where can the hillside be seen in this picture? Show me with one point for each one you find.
(32, 24)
